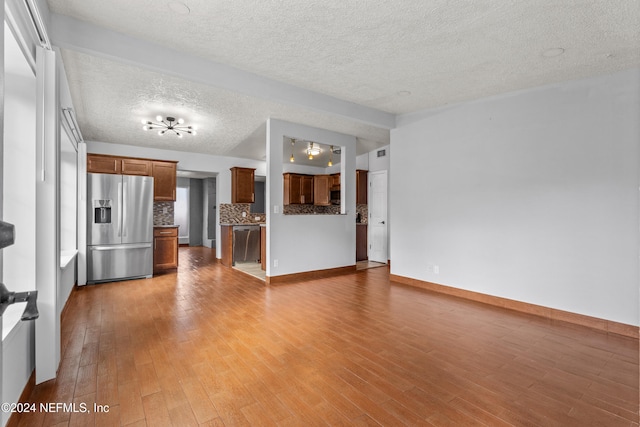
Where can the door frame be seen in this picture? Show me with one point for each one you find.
(373, 227)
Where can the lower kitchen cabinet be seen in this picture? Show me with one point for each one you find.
(165, 248)
(361, 242)
(263, 248)
(226, 245)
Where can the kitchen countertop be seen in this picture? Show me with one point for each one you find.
(233, 224)
(166, 226)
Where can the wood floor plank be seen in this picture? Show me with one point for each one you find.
(147, 379)
(202, 407)
(211, 346)
(155, 410)
(131, 407)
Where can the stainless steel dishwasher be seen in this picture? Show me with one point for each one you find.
(246, 243)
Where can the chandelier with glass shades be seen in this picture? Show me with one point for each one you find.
(170, 124)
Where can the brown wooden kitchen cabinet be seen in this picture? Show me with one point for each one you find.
(136, 167)
(298, 189)
(335, 182)
(361, 242)
(292, 188)
(321, 193)
(263, 248)
(226, 245)
(101, 163)
(165, 248)
(164, 181)
(361, 187)
(307, 194)
(242, 185)
(162, 171)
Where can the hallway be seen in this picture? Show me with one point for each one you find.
(211, 346)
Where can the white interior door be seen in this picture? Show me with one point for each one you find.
(378, 216)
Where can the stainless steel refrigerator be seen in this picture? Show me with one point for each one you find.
(120, 227)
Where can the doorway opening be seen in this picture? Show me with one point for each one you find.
(195, 208)
(378, 247)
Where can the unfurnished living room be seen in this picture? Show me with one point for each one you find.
(320, 213)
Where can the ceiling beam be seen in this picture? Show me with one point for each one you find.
(74, 34)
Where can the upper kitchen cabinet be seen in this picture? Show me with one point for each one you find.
(292, 188)
(307, 185)
(335, 182)
(98, 163)
(136, 167)
(242, 185)
(298, 189)
(162, 171)
(321, 193)
(164, 181)
(361, 187)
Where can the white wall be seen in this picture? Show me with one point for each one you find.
(531, 196)
(18, 360)
(68, 193)
(19, 208)
(191, 162)
(19, 168)
(308, 242)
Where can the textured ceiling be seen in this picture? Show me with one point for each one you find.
(111, 99)
(395, 56)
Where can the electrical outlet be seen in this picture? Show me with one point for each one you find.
(244, 214)
(165, 210)
(436, 269)
(275, 208)
(275, 262)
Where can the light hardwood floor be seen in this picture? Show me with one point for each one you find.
(212, 346)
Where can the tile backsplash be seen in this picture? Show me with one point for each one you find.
(232, 214)
(323, 210)
(163, 213)
(363, 210)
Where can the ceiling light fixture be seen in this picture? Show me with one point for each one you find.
(170, 124)
(292, 159)
(330, 157)
(313, 150)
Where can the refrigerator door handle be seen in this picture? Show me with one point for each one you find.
(119, 247)
(120, 209)
(124, 211)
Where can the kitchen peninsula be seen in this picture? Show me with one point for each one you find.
(239, 225)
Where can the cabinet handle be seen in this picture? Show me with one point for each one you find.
(165, 232)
